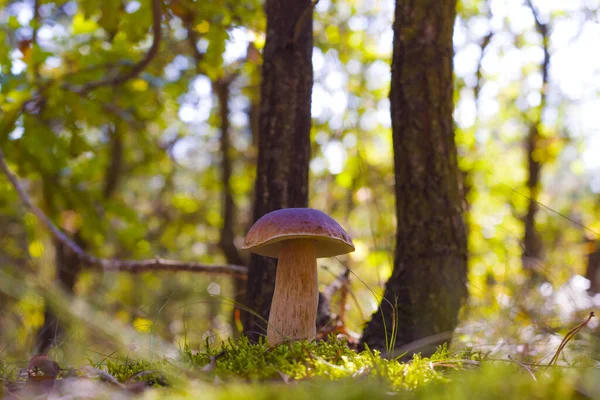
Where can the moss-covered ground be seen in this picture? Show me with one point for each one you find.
(301, 370)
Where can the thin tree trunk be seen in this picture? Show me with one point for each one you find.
(284, 142)
(592, 271)
(227, 234)
(67, 270)
(428, 282)
(532, 242)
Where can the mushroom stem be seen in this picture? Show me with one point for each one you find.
(294, 307)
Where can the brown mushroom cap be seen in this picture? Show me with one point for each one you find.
(267, 234)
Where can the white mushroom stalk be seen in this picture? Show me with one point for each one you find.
(297, 237)
(294, 307)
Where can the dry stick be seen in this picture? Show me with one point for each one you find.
(337, 284)
(526, 367)
(570, 335)
(344, 295)
(134, 266)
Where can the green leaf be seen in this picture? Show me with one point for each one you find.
(213, 59)
(13, 22)
(83, 26)
(78, 145)
(111, 14)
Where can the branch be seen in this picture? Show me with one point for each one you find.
(142, 64)
(34, 37)
(300, 24)
(135, 266)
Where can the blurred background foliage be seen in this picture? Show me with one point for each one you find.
(134, 169)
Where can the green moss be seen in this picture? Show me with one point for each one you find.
(507, 381)
(492, 381)
(8, 374)
(324, 360)
(138, 371)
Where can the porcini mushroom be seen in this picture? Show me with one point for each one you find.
(297, 237)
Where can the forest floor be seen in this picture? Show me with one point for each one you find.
(301, 370)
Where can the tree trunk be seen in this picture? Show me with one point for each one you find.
(428, 283)
(592, 271)
(532, 241)
(67, 270)
(284, 138)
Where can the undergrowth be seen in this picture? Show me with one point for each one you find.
(306, 370)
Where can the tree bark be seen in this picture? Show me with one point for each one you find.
(284, 138)
(423, 296)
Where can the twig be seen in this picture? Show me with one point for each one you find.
(526, 367)
(340, 280)
(571, 220)
(302, 20)
(192, 38)
(541, 27)
(570, 335)
(142, 64)
(103, 375)
(533, 365)
(485, 42)
(135, 266)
